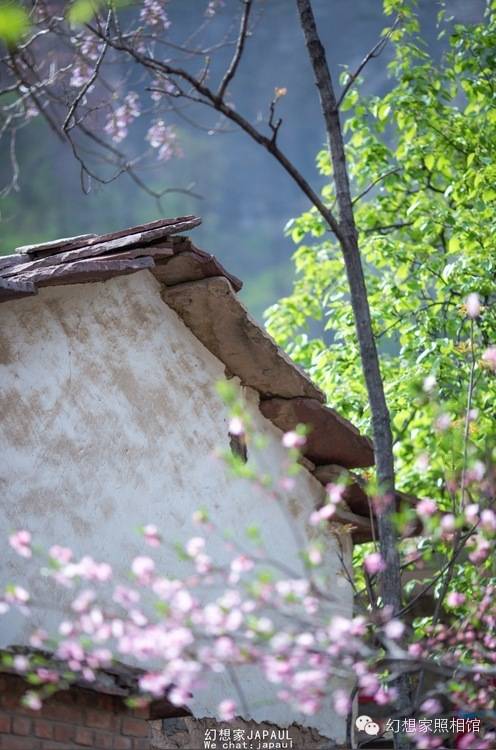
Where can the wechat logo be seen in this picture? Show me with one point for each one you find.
(365, 724)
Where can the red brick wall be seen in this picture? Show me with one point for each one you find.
(71, 720)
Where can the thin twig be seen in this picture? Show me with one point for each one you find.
(373, 53)
(238, 53)
(91, 80)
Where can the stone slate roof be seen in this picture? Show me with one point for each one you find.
(204, 295)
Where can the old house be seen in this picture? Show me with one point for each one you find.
(110, 350)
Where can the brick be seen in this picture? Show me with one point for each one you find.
(103, 740)
(134, 727)
(9, 742)
(21, 725)
(11, 700)
(99, 719)
(103, 702)
(141, 744)
(60, 712)
(63, 732)
(122, 743)
(43, 729)
(83, 737)
(4, 724)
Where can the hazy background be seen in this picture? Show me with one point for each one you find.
(246, 198)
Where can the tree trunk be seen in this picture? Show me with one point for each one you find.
(348, 239)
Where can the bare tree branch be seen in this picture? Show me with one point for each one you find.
(240, 45)
(91, 80)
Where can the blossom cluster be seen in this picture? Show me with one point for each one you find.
(119, 119)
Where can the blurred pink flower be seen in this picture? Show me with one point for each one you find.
(227, 710)
(20, 541)
(374, 563)
(489, 358)
(143, 568)
(292, 439)
(426, 507)
(473, 305)
(394, 629)
(152, 535)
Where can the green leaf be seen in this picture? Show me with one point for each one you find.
(14, 22)
(83, 11)
(454, 244)
(383, 111)
(430, 160)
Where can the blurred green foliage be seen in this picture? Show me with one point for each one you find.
(14, 22)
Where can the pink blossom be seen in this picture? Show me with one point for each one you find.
(415, 650)
(152, 536)
(426, 507)
(164, 138)
(292, 439)
(91, 47)
(125, 596)
(195, 545)
(153, 14)
(281, 642)
(374, 563)
(448, 523)
(489, 358)
(21, 663)
(292, 588)
(161, 86)
(342, 702)
(473, 306)
(20, 541)
(86, 568)
(80, 75)
(212, 7)
(422, 463)
(227, 710)
(236, 426)
(38, 638)
(394, 629)
(83, 600)
(369, 684)
(16, 595)
(143, 568)
(443, 422)
(154, 683)
(119, 120)
(71, 651)
(48, 675)
(431, 706)
(203, 564)
(429, 383)
(62, 555)
(338, 628)
(182, 601)
(32, 700)
(314, 555)
(488, 520)
(384, 697)
(472, 513)
(481, 551)
(323, 514)
(335, 492)
(240, 564)
(178, 696)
